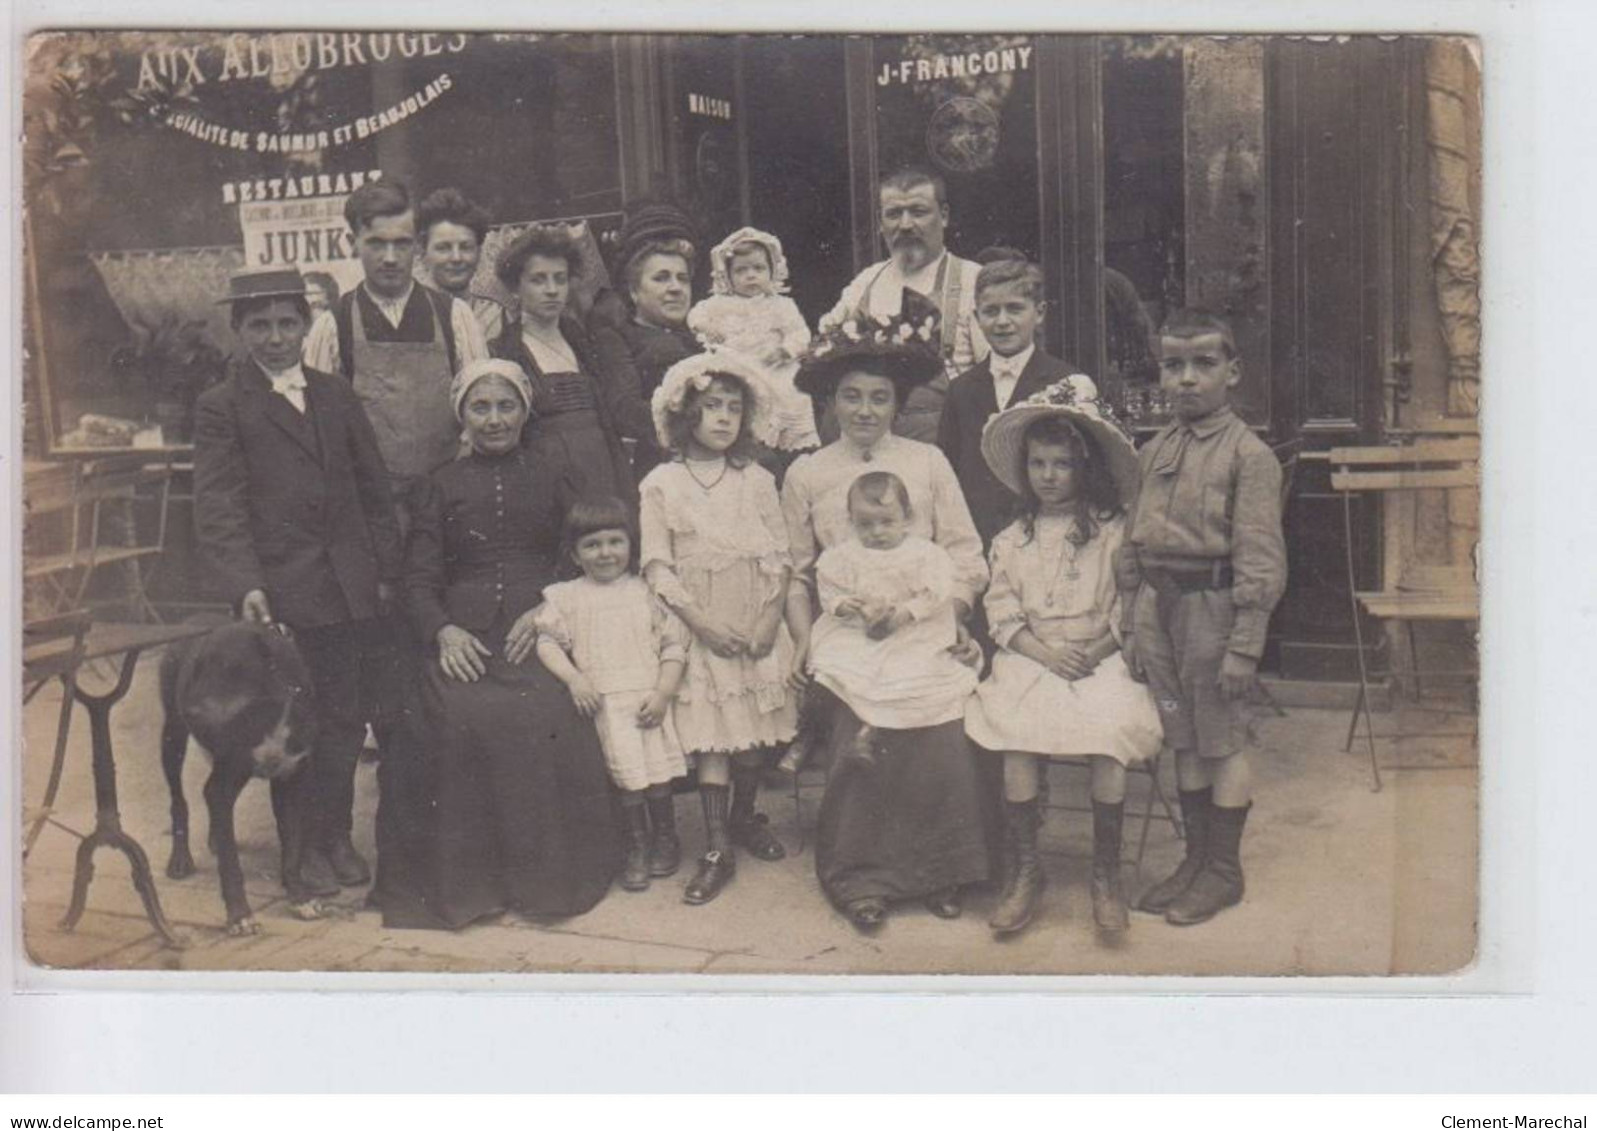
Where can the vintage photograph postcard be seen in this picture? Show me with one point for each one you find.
(987, 504)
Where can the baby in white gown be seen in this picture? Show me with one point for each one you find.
(749, 313)
(882, 643)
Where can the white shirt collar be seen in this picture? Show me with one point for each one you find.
(923, 279)
(1012, 366)
(393, 308)
(1006, 373)
(291, 378)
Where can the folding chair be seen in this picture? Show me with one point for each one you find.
(1421, 594)
(1155, 792)
(83, 493)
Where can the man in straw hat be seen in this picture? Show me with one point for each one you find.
(292, 510)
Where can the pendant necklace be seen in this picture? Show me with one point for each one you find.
(1066, 569)
(694, 475)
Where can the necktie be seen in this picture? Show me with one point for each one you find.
(291, 387)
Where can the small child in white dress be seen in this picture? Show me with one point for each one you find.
(748, 311)
(882, 643)
(621, 654)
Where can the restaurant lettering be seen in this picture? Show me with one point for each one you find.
(970, 64)
(239, 56)
(293, 188)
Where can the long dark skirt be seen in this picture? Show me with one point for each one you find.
(906, 825)
(520, 815)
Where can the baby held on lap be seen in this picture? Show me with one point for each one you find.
(887, 619)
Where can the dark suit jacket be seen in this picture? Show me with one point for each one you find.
(971, 401)
(296, 505)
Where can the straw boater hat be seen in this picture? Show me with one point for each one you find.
(263, 282)
(697, 372)
(907, 348)
(1075, 398)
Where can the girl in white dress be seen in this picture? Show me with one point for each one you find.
(748, 311)
(621, 654)
(715, 550)
(1059, 686)
(887, 619)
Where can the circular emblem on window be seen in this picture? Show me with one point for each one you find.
(963, 135)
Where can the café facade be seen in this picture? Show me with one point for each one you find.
(1323, 193)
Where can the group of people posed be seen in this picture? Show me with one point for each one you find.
(570, 567)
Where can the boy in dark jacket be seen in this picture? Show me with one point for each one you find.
(293, 510)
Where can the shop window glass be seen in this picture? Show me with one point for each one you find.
(966, 107)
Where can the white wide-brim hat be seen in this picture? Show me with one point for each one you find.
(1076, 399)
(697, 372)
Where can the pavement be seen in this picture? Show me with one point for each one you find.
(1341, 880)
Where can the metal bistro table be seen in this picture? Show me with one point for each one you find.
(129, 641)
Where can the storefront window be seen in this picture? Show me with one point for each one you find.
(1183, 213)
(965, 106)
(1143, 207)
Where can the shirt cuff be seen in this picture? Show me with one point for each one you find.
(1005, 631)
(1248, 632)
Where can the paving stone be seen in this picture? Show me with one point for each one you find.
(1340, 881)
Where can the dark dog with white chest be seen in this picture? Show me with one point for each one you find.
(244, 693)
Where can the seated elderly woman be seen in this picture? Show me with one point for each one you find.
(520, 799)
(580, 406)
(908, 821)
(659, 283)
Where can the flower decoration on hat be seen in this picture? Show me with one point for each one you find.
(1074, 398)
(698, 373)
(904, 347)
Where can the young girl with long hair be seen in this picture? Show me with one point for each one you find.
(1058, 686)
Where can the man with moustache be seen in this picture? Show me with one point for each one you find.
(914, 218)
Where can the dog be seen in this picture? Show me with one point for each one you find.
(244, 693)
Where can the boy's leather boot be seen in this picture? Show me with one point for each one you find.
(1219, 884)
(1108, 897)
(1019, 903)
(1196, 805)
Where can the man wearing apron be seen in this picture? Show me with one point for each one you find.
(399, 344)
(914, 217)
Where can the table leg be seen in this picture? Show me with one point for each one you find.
(108, 819)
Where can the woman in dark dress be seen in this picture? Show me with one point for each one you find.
(521, 809)
(907, 823)
(580, 407)
(659, 282)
